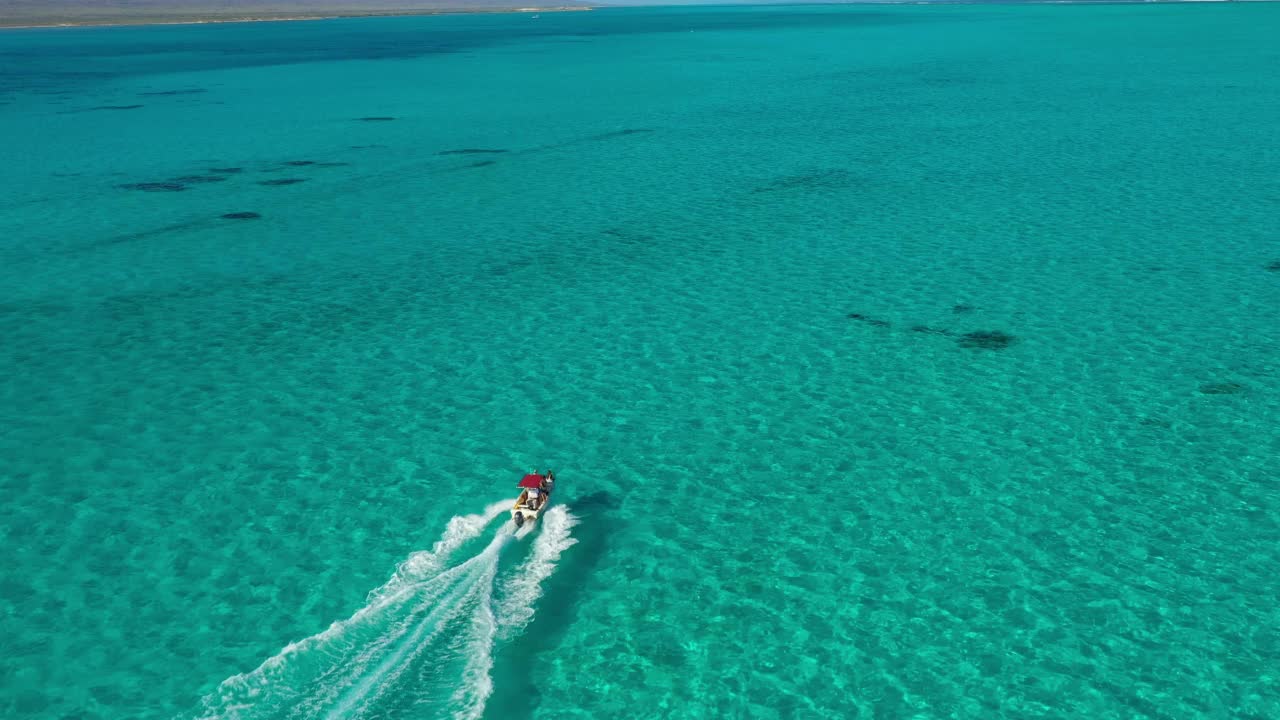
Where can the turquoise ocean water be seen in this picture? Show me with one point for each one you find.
(897, 362)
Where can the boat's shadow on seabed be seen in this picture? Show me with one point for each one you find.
(515, 695)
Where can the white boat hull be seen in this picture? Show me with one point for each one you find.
(523, 515)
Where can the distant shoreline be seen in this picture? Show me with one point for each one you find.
(207, 19)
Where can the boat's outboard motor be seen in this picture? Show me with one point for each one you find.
(519, 519)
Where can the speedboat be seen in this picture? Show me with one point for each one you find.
(535, 496)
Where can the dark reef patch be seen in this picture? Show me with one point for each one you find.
(874, 322)
(962, 309)
(511, 267)
(471, 151)
(99, 107)
(376, 118)
(135, 236)
(199, 179)
(621, 133)
(241, 216)
(332, 164)
(282, 181)
(820, 180)
(33, 309)
(1273, 266)
(155, 186)
(139, 306)
(931, 330)
(482, 163)
(628, 237)
(365, 147)
(300, 163)
(157, 93)
(1222, 388)
(945, 80)
(986, 340)
(226, 170)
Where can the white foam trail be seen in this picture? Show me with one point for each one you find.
(404, 648)
(525, 586)
(477, 579)
(424, 564)
(235, 696)
(477, 683)
(439, 601)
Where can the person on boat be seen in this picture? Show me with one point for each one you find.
(534, 498)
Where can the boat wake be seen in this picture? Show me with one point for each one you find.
(424, 642)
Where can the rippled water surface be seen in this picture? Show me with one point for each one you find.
(897, 361)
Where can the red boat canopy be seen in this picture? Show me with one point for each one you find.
(532, 480)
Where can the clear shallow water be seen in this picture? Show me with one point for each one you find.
(222, 436)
